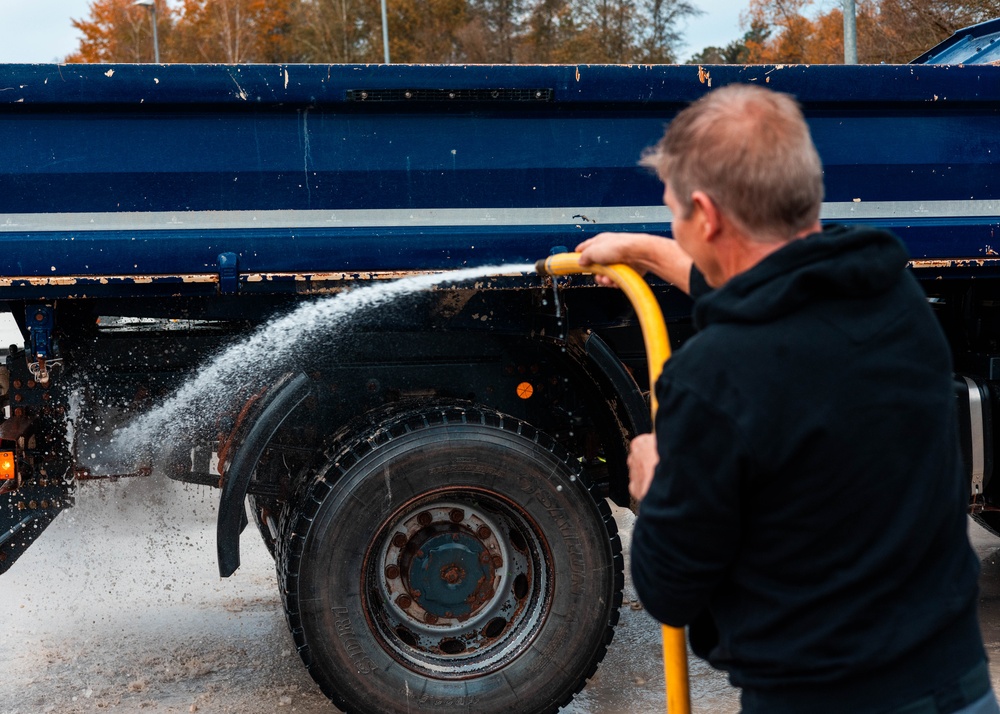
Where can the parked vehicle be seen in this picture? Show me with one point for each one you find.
(433, 479)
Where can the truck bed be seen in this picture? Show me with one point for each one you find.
(167, 180)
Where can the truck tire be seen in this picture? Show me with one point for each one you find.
(451, 559)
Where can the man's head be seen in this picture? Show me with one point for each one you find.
(750, 151)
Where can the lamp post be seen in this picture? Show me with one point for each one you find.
(385, 33)
(850, 33)
(151, 4)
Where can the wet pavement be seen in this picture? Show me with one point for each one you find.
(119, 608)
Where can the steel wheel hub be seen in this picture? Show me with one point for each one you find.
(457, 578)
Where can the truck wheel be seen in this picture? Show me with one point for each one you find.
(450, 560)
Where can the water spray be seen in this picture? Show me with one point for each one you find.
(654, 335)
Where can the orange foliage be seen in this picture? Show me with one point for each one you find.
(425, 30)
(196, 31)
(502, 31)
(794, 37)
(120, 31)
(233, 31)
(887, 30)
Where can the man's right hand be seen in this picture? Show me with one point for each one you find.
(643, 252)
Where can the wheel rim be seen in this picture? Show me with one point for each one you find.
(457, 583)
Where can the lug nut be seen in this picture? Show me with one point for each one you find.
(424, 518)
(457, 515)
(497, 561)
(392, 572)
(399, 540)
(404, 601)
(484, 532)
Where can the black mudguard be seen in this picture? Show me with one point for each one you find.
(258, 430)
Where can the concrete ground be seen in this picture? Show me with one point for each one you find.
(119, 608)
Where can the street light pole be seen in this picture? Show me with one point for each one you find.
(385, 33)
(151, 4)
(850, 33)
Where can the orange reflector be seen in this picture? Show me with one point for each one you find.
(6, 465)
(525, 390)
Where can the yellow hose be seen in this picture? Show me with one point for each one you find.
(654, 335)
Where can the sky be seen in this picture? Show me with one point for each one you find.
(40, 30)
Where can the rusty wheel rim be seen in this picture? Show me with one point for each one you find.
(457, 581)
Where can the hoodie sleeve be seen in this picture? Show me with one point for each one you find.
(687, 531)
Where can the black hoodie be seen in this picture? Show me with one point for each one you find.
(809, 498)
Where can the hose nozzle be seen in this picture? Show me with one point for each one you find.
(562, 264)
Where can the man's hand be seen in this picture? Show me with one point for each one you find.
(642, 460)
(643, 252)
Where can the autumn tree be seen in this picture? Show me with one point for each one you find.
(493, 31)
(233, 31)
(550, 33)
(425, 30)
(907, 28)
(436, 31)
(736, 52)
(605, 31)
(120, 31)
(790, 32)
(893, 31)
(663, 36)
(338, 31)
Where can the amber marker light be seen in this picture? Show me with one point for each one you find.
(6, 465)
(525, 390)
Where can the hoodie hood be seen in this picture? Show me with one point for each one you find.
(839, 262)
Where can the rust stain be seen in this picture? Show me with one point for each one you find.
(955, 263)
(71, 280)
(346, 276)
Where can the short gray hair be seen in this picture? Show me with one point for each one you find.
(750, 150)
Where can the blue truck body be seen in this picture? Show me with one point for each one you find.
(147, 170)
(150, 214)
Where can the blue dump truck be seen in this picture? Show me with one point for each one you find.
(432, 475)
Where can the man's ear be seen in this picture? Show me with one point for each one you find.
(710, 218)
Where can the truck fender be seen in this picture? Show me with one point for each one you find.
(634, 406)
(253, 435)
(627, 406)
(975, 428)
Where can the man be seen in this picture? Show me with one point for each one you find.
(802, 503)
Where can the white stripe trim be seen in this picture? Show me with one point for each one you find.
(445, 217)
(376, 218)
(871, 210)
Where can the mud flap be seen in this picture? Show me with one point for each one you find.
(25, 513)
(273, 410)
